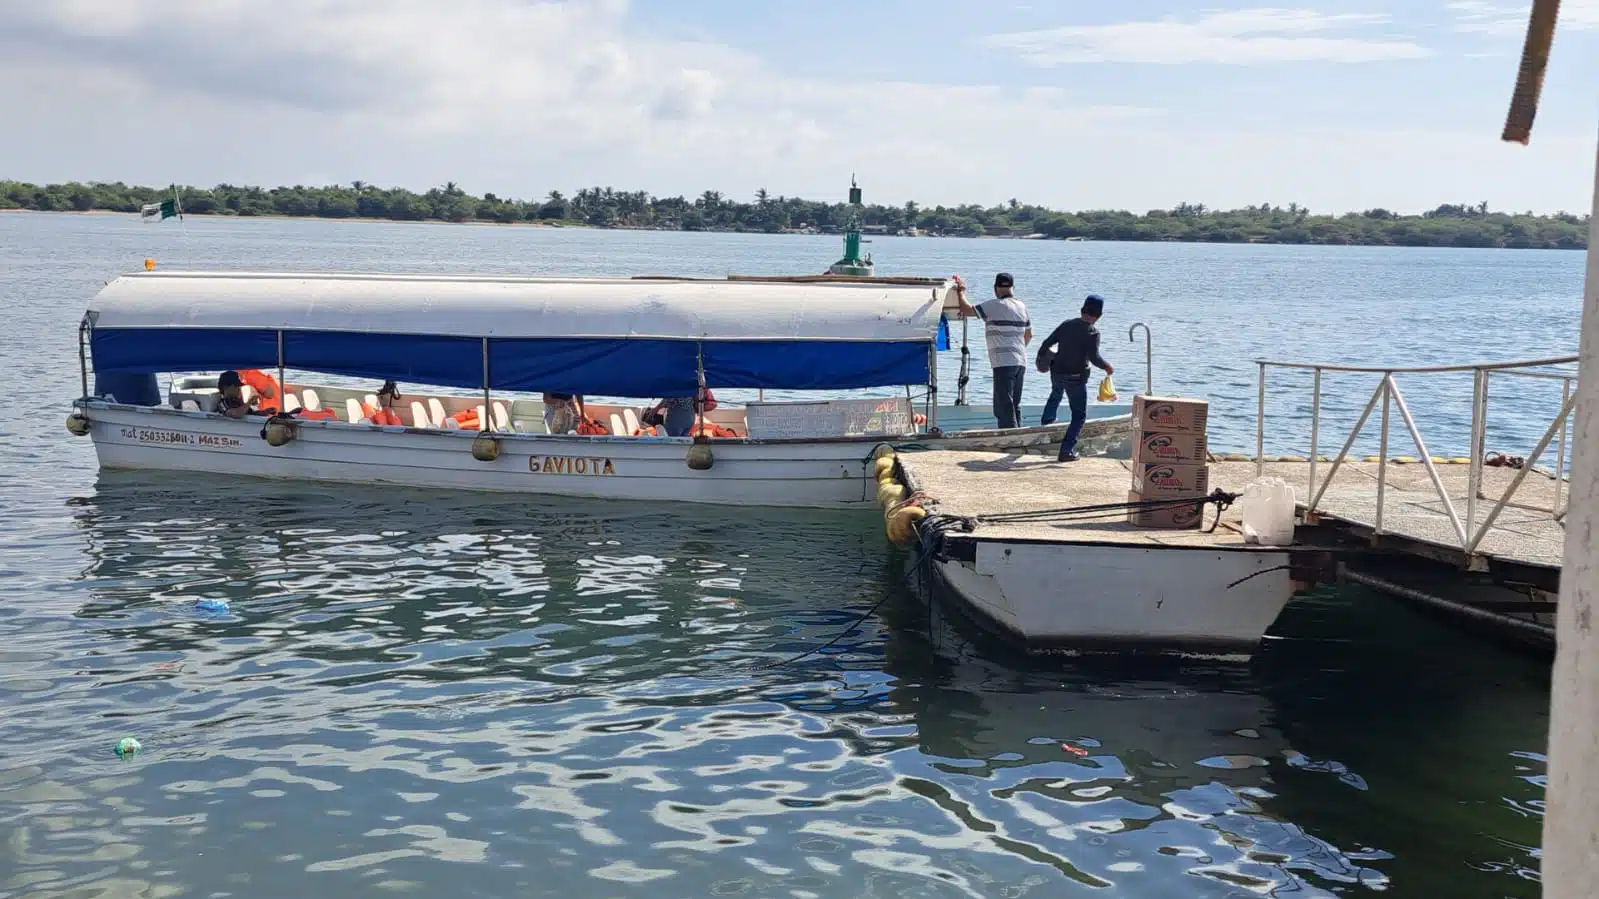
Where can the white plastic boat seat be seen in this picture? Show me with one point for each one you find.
(372, 400)
(310, 399)
(630, 421)
(190, 406)
(290, 402)
(436, 413)
(419, 416)
(482, 419)
(353, 410)
(502, 419)
(617, 427)
(247, 392)
(528, 416)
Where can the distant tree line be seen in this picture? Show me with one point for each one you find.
(1449, 225)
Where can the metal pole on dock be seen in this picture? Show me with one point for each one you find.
(1382, 451)
(1315, 431)
(1571, 820)
(1260, 425)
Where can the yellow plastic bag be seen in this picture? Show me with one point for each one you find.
(1107, 391)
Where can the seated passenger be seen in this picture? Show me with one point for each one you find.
(384, 414)
(563, 412)
(678, 413)
(233, 403)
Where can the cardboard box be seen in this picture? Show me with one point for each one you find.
(1171, 479)
(1166, 518)
(1169, 415)
(1169, 447)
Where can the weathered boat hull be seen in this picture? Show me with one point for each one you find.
(1055, 595)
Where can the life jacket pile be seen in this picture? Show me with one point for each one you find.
(265, 387)
(381, 416)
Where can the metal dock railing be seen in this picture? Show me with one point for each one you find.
(1467, 530)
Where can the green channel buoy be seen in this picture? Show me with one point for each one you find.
(128, 747)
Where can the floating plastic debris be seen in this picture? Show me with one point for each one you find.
(213, 605)
(128, 747)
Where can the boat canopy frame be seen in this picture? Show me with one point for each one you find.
(598, 336)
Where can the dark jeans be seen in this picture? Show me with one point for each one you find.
(1008, 395)
(680, 418)
(1075, 388)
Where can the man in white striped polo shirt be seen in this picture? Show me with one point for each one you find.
(1009, 331)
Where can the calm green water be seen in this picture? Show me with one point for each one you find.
(430, 694)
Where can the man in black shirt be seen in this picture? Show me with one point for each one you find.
(1066, 353)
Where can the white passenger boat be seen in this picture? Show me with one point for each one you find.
(498, 339)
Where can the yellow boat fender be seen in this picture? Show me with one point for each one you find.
(883, 468)
(78, 424)
(901, 525)
(883, 451)
(889, 494)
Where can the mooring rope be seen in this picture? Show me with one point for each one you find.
(1220, 498)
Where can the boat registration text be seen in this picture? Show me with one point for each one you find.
(570, 465)
(179, 438)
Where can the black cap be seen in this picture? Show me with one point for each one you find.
(390, 388)
(1094, 305)
(229, 378)
(1003, 279)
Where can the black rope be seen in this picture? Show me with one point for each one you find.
(861, 619)
(1221, 498)
(1258, 574)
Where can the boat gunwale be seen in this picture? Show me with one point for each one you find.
(882, 439)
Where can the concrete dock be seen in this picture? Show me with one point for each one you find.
(978, 484)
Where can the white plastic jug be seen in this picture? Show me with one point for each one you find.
(1268, 508)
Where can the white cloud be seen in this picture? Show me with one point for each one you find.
(1237, 37)
(1495, 20)
(519, 96)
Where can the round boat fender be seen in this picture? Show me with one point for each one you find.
(279, 430)
(485, 447)
(700, 457)
(78, 424)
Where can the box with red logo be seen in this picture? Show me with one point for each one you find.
(1162, 480)
(1186, 516)
(1168, 447)
(1169, 415)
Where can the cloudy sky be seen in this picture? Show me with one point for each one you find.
(1137, 104)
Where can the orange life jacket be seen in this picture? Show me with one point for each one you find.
(467, 420)
(380, 415)
(712, 429)
(317, 415)
(590, 428)
(264, 385)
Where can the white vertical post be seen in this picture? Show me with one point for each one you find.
(1382, 450)
(1260, 425)
(1560, 453)
(1315, 431)
(1479, 415)
(1571, 819)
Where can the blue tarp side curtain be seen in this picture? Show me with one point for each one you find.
(616, 367)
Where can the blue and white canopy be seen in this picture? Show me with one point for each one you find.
(623, 337)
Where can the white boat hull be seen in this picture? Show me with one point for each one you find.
(831, 473)
(1057, 595)
(819, 474)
